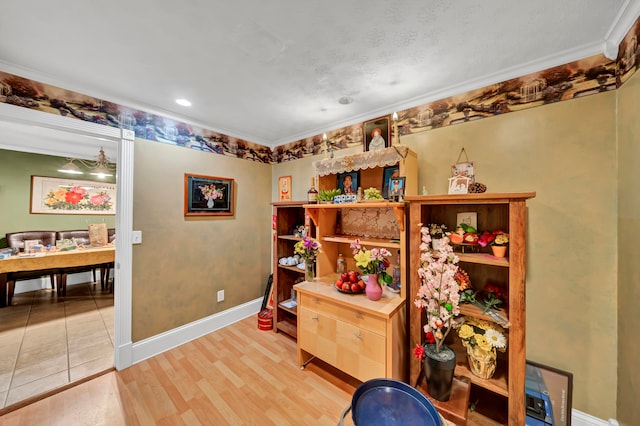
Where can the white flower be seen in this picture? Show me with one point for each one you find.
(496, 338)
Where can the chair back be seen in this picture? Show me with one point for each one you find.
(17, 239)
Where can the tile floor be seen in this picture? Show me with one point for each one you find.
(47, 342)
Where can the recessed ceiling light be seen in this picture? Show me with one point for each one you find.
(183, 102)
(345, 100)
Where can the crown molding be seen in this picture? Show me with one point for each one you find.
(626, 17)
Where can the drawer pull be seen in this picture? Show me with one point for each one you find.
(315, 300)
(358, 335)
(314, 318)
(359, 315)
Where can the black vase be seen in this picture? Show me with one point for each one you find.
(439, 368)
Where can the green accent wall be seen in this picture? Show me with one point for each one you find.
(16, 169)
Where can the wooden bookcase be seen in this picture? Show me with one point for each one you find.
(286, 216)
(494, 211)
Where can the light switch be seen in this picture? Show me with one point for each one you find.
(136, 237)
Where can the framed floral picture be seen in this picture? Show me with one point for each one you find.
(208, 195)
(51, 195)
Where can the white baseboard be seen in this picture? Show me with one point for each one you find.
(155, 345)
(578, 418)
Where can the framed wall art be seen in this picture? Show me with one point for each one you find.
(548, 394)
(376, 134)
(348, 182)
(208, 195)
(459, 185)
(396, 188)
(284, 188)
(51, 195)
(388, 173)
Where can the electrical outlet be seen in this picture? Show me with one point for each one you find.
(220, 295)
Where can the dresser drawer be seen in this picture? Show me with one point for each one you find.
(362, 319)
(317, 334)
(318, 304)
(360, 352)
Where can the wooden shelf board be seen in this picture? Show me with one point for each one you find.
(287, 328)
(468, 309)
(456, 408)
(483, 259)
(293, 310)
(289, 237)
(291, 268)
(375, 242)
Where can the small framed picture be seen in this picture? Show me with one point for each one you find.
(284, 188)
(376, 134)
(388, 173)
(468, 218)
(348, 182)
(548, 393)
(459, 185)
(396, 188)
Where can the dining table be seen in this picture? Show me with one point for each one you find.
(56, 260)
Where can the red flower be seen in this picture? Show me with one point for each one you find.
(73, 197)
(429, 337)
(418, 351)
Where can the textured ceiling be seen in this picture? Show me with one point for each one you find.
(272, 72)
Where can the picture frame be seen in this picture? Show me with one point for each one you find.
(548, 395)
(373, 142)
(51, 195)
(459, 185)
(387, 173)
(468, 218)
(351, 186)
(284, 188)
(208, 195)
(396, 188)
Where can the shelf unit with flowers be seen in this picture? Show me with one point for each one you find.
(288, 220)
(502, 395)
(363, 338)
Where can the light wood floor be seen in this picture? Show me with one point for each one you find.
(238, 375)
(48, 342)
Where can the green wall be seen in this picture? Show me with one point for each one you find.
(628, 266)
(16, 169)
(182, 262)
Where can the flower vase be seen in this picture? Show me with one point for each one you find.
(309, 268)
(373, 289)
(481, 363)
(210, 202)
(499, 251)
(439, 368)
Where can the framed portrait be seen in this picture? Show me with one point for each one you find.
(51, 195)
(459, 185)
(208, 195)
(348, 182)
(396, 188)
(284, 188)
(376, 134)
(548, 394)
(388, 173)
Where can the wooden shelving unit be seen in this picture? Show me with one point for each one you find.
(286, 216)
(494, 211)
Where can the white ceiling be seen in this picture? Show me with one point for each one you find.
(272, 72)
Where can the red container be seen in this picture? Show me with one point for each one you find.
(265, 319)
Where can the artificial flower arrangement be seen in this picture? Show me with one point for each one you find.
(437, 231)
(374, 261)
(482, 339)
(438, 295)
(211, 192)
(307, 248)
(495, 238)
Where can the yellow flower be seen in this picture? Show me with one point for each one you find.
(465, 331)
(362, 258)
(483, 343)
(60, 194)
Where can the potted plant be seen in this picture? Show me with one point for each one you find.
(438, 297)
(326, 196)
(307, 248)
(482, 339)
(500, 243)
(374, 264)
(437, 234)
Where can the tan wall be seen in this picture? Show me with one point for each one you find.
(629, 269)
(566, 153)
(182, 263)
